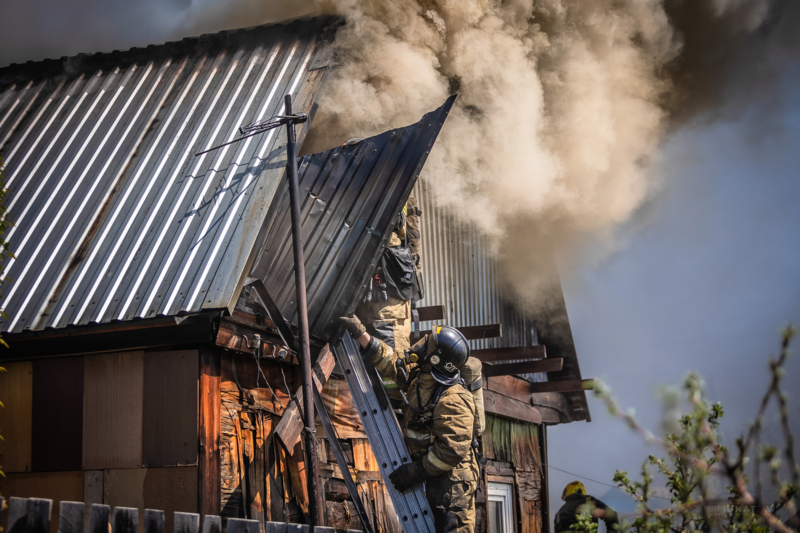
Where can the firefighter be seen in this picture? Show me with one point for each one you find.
(438, 420)
(395, 286)
(577, 501)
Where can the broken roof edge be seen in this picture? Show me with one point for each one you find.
(556, 334)
(67, 65)
(395, 159)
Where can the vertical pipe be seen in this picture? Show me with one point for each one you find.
(314, 508)
(545, 492)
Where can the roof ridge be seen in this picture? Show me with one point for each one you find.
(70, 64)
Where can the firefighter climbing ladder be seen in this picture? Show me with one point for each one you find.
(384, 434)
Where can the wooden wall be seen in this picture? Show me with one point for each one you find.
(512, 448)
(57, 437)
(263, 480)
(112, 410)
(114, 428)
(16, 393)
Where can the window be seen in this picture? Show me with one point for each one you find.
(500, 508)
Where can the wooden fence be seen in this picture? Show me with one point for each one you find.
(32, 515)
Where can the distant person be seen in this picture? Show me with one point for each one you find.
(577, 501)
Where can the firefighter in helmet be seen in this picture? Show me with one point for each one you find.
(394, 288)
(438, 420)
(576, 501)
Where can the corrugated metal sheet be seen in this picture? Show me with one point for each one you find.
(351, 195)
(115, 216)
(461, 273)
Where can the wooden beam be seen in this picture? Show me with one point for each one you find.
(527, 367)
(500, 405)
(570, 385)
(510, 354)
(432, 312)
(519, 389)
(290, 427)
(510, 386)
(114, 337)
(553, 400)
(487, 331)
(210, 429)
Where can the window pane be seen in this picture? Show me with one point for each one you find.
(496, 517)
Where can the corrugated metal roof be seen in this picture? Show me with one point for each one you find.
(461, 273)
(351, 196)
(115, 218)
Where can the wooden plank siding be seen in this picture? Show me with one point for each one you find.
(500, 405)
(172, 489)
(209, 465)
(552, 408)
(112, 410)
(57, 436)
(169, 433)
(56, 486)
(124, 487)
(16, 393)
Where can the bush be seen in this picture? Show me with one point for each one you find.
(696, 457)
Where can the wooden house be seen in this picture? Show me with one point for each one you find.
(143, 369)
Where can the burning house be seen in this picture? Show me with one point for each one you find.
(151, 312)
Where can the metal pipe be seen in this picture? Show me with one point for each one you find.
(314, 507)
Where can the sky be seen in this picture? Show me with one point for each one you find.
(703, 278)
(706, 277)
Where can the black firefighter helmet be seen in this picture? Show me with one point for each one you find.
(448, 354)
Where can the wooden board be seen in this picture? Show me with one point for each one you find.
(169, 432)
(487, 331)
(431, 312)
(112, 410)
(249, 377)
(209, 479)
(290, 427)
(92, 491)
(16, 392)
(342, 516)
(500, 405)
(124, 487)
(172, 490)
(510, 386)
(297, 470)
(563, 386)
(526, 367)
(510, 354)
(57, 436)
(552, 407)
(56, 486)
(235, 335)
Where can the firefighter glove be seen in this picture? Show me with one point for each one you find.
(353, 325)
(408, 475)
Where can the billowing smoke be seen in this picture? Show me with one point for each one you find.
(562, 108)
(562, 104)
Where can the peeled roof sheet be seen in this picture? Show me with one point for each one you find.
(115, 218)
(351, 199)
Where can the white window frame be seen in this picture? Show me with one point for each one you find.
(503, 493)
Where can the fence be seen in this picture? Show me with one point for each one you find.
(32, 515)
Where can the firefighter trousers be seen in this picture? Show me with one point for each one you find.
(452, 499)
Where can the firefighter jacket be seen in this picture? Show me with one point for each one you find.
(443, 437)
(568, 514)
